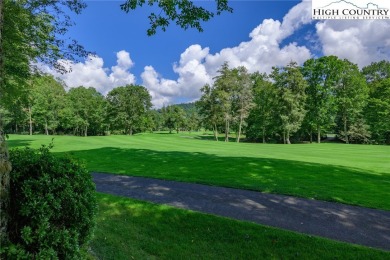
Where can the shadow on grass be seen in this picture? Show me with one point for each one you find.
(18, 143)
(209, 137)
(168, 233)
(303, 179)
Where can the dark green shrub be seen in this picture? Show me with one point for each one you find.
(52, 206)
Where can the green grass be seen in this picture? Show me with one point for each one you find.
(131, 229)
(352, 174)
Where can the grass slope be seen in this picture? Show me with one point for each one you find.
(131, 229)
(352, 174)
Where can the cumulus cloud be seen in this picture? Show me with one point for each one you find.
(192, 76)
(92, 73)
(120, 74)
(361, 42)
(264, 50)
(162, 90)
(197, 66)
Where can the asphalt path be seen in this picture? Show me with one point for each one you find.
(363, 226)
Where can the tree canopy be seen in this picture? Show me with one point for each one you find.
(30, 31)
(183, 12)
(34, 31)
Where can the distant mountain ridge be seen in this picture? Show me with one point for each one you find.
(187, 107)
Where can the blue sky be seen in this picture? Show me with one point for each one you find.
(105, 29)
(175, 64)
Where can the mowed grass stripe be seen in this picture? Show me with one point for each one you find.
(352, 174)
(372, 158)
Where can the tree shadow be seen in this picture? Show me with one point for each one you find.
(18, 143)
(170, 233)
(302, 179)
(208, 137)
(336, 221)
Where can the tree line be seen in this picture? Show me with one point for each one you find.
(324, 95)
(292, 103)
(47, 108)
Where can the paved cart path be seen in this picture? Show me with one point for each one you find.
(351, 224)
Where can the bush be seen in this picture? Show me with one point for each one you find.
(52, 206)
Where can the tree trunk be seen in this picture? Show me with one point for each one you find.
(263, 135)
(215, 132)
(239, 130)
(5, 169)
(86, 130)
(345, 130)
(226, 130)
(46, 128)
(284, 137)
(2, 76)
(288, 137)
(311, 136)
(318, 134)
(5, 164)
(30, 120)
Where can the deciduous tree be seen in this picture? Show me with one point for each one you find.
(323, 75)
(174, 118)
(183, 12)
(30, 31)
(351, 97)
(225, 87)
(88, 107)
(263, 116)
(128, 105)
(243, 98)
(291, 88)
(48, 96)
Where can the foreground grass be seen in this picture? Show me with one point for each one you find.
(352, 174)
(131, 229)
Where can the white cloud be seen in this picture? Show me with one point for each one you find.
(361, 42)
(161, 90)
(197, 66)
(92, 73)
(192, 76)
(264, 50)
(120, 74)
